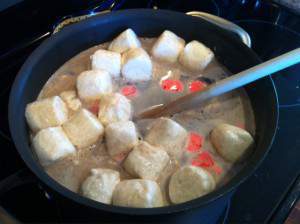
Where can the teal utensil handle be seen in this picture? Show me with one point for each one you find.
(225, 85)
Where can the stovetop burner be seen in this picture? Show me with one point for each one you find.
(273, 30)
(288, 82)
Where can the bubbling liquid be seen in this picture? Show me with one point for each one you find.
(232, 108)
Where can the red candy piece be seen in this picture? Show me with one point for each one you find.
(195, 142)
(217, 169)
(94, 107)
(129, 91)
(240, 125)
(204, 159)
(120, 157)
(173, 86)
(197, 86)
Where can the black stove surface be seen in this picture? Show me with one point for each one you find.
(273, 30)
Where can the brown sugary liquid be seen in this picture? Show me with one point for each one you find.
(232, 108)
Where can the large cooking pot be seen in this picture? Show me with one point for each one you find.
(59, 48)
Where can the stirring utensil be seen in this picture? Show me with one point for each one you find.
(252, 74)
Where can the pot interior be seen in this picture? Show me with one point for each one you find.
(62, 46)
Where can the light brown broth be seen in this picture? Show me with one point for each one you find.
(232, 108)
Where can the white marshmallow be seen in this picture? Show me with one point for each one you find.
(231, 142)
(113, 108)
(168, 47)
(137, 65)
(195, 56)
(190, 182)
(120, 137)
(83, 129)
(52, 144)
(138, 193)
(108, 61)
(92, 84)
(126, 40)
(99, 186)
(71, 100)
(169, 135)
(146, 161)
(49, 112)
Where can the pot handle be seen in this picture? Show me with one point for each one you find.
(224, 24)
(19, 178)
(68, 20)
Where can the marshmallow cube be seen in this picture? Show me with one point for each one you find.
(99, 186)
(137, 65)
(49, 112)
(146, 161)
(107, 60)
(120, 137)
(71, 100)
(114, 108)
(93, 84)
(137, 193)
(232, 143)
(125, 41)
(169, 135)
(196, 56)
(168, 47)
(189, 183)
(83, 129)
(52, 144)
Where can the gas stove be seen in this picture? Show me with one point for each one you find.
(267, 196)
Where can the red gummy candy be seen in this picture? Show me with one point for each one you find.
(204, 159)
(217, 169)
(94, 107)
(195, 142)
(173, 86)
(197, 86)
(130, 90)
(240, 125)
(120, 157)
